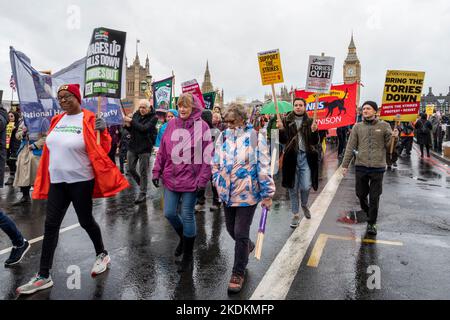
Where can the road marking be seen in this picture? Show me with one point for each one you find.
(76, 225)
(317, 251)
(278, 279)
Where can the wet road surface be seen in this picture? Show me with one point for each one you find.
(414, 210)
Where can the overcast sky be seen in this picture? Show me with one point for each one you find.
(181, 35)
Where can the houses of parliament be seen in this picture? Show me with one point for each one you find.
(136, 73)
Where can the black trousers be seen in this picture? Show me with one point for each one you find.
(59, 198)
(369, 184)
(238, 221)
(427, 146)
(342, 141)
(112, 153)
(406, 143)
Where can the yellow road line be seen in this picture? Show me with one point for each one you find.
(317, 251)
(321, 241)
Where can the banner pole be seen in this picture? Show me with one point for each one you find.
(316, 106)
(173, 91)
(396, 124)
(99, 106)
(275, 101)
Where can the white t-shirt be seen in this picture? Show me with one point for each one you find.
(69, 161)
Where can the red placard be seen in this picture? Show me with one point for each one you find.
(193, 87)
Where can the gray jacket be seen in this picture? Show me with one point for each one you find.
(370, 141)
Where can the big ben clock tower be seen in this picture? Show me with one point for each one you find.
(352, 68)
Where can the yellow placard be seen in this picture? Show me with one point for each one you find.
(270, 67)
(401, 95)
(429, 109)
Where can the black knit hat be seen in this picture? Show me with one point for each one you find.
(372, 104)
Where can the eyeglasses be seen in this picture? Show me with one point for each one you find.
(230, 121)
(66, 97)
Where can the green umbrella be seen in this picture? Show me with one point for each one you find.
(283, 107)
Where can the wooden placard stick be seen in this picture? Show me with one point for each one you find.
(99, 109)
(275, 102)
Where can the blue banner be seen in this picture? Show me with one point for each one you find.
(37, 93)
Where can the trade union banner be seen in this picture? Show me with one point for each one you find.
(210, 98)
(162, 94)
(337, 108)
(401, 95)
(37, 93)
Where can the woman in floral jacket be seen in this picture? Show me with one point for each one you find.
(241, 175)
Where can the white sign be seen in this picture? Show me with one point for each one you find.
(320, 74)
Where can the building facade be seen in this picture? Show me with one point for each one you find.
(441, 102)
(135, 74)
(207, 86)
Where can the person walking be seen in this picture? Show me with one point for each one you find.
(142, 127)
(342, 134)
(406, 138)
(423, 132)
(370, 140)
(206, 116)
(20, 244)
(125, 138)
(300, 170)
(171, 114)
(73, 169)
(184, 168)
(12, 145)
(28, 157)
(241, 174)
(114, 132)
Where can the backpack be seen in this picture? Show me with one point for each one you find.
(423, 128)
(407, 130)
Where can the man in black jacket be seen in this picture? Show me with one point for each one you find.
(300, 135)
(142, 127)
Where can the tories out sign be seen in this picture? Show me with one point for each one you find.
(320, 74)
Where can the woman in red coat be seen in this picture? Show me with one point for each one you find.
(73, 169)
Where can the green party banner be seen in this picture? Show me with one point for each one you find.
(162, 94)
(209, 98)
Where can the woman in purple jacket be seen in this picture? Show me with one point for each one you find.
(183, 164)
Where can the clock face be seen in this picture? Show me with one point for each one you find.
(350, 71)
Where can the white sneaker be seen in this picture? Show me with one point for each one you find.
(295, 221)
(102, 263)
(36, 283)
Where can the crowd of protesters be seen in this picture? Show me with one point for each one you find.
(191, 148)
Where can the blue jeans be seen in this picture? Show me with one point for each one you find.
(302, 183)
(187, 218)
(9, 227)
